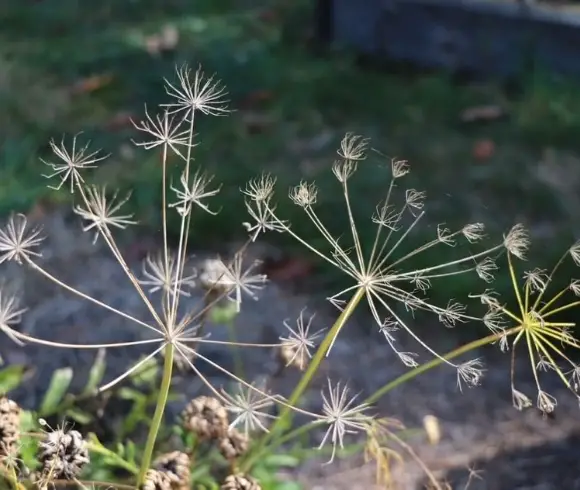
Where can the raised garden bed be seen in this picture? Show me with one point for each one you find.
(490, 37)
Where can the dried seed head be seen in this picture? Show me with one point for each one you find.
(233, 445)
(9, 427)
(289, 356)
(175, 466)
(156, 480)
(62, 455)
(206, 417)
(517, 241)
(240, 482)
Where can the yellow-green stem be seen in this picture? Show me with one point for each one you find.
(435, 362)
(158, 415)
(285, 418)
(393, 384)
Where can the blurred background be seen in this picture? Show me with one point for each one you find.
(495, 143)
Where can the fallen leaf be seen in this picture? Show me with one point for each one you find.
(482, 113)
(483, 149)
(91, 84)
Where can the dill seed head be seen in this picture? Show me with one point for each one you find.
(289, 356)
(156, 480)
(206, 417)
(9, 426)
(240, 481)
(233, 444)
(175, 466)
(62, 455)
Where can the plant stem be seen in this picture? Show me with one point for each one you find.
(394, 384)
(285, 418)
(435, 362)
(158, 415)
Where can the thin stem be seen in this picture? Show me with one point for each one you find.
(435, 362)
(65, 286)
(238, 363)
(91, 483)
(258, 452)
(285, 418)
(158, 415)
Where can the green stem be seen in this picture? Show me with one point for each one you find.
(238, 363)
(389, 386)
(158, 415)
(285, 418)
(435, 362)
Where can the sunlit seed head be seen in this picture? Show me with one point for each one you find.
(72, 163)
(102, 211)
(575, 252)
(415, 200)
(473, 232)
(519, 400)
(196, 92)
(353, 147)
(546, 402)
(470, 373)
(485, 269)
(399, 168)
(304, 194)
(261, 188)
(408, 359)
(194, 191)
(18, 241)
(344, 169)
(575, 286)
(517, 241)
(444, 235)
(536, 279)
(494, 320)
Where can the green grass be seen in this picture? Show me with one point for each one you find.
(46, 48)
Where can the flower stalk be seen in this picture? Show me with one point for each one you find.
(285, 419)
(158, 415)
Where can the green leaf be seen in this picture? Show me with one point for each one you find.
(57, 388)
(28, 421)
(279, 460)
(223, 314)
(97, 372)
(10, 378)
(79, 415)
(131, 453)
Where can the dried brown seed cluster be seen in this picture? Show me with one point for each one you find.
(156, 480)
(9, 428)
(206, 417)
(233, 444)
(62, 455)
(240, 481)
(175, 466)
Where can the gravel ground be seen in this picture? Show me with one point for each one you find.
(480, 429)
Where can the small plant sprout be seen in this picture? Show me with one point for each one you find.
(533, 323)
(377, 269)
